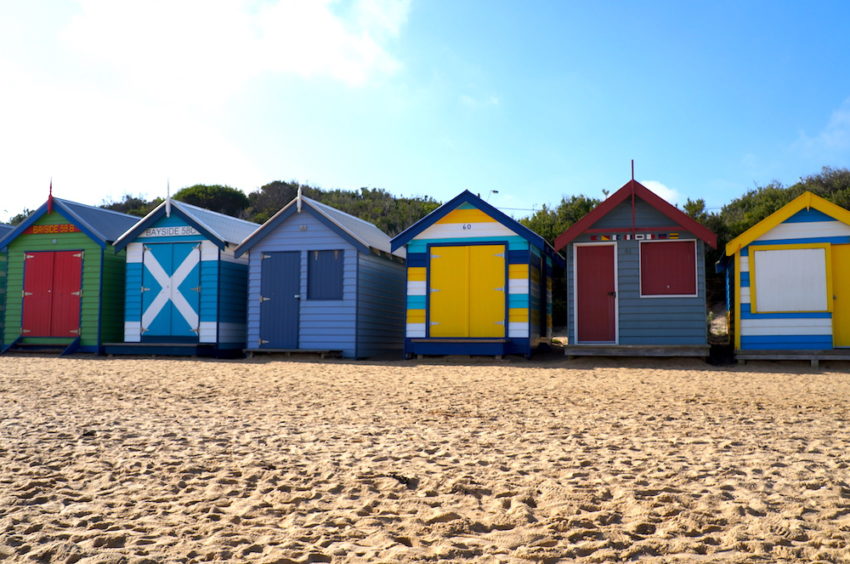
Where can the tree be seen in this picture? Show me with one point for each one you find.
(549, 223)
(21, 217)
(218, 198)
(133, 205)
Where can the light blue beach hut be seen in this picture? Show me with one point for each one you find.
(324, 281)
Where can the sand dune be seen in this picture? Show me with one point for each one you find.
(127, 460)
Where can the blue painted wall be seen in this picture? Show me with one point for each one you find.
(368, 320)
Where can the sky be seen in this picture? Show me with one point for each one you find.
(521, 102)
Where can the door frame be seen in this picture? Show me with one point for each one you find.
(302, 256)
(834, 281)
(82, 294)
(170, 336)
(462, 243)
(616, 288)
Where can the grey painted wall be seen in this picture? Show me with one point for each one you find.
(381, 306)
(645, 321)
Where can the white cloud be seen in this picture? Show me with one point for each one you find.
(209, 49)
(669, 194)
(833, 140)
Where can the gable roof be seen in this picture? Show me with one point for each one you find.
(219, 228)
(362, 234)
(635, 188)
(806, 200)
(102, 225)
(467, 197)
(4, 229)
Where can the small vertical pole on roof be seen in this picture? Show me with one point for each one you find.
(632, 187)
(298, 200)
(50, 197)
(168, 198)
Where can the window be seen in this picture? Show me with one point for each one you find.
(668, 268)
(324, 275)
(789, 279)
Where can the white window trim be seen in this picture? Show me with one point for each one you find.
(616, 290)
(696, 269)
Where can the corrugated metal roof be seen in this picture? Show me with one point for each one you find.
(108, 224)
(229, 229)
(367, 233)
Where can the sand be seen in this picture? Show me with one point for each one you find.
(158, 460)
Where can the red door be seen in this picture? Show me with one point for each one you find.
(596, 297)
(52, 294)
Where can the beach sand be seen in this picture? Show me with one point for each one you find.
(159, 460)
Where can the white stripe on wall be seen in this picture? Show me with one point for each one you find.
(416, 288)
(132, 331)
(415, 330)
(518, 330)
(134, 252)
(753, 327)
(518, 285)
(209, 251)
(807, 229)
(457, 231)
(745, 264)
(745, 294)
(207, 332)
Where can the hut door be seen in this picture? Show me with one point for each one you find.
(596, 296)
(280, 295)
(52, 282)
(467, 291)
(841, 295)
(171, 290)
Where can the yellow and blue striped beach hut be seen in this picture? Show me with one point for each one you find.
(478, 282)
(792, 282)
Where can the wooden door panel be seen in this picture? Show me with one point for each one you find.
(595, 293)
(487, 281)
(448, 292)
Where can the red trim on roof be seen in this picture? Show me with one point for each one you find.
(635, 188)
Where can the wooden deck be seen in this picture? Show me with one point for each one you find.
(322, 353)
(694, 351)
(814, 357)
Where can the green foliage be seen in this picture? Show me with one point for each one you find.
(21, 217)
(390, 214)
(133, 205)
(217, 198)
(549, 223)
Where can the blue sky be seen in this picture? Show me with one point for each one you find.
(536, 100)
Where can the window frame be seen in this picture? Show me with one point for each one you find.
(767, 247)
(310, 296)
(641, 243)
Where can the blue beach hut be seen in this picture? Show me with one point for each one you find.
(324, 281)
(478, 282)
(792, 283)
(185, 288)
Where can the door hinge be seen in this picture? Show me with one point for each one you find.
(78, 255)
(499, 289)
(433, 289)
(145, 289)
(77, 293)
(264, 342)
(30, 257)
(196, 289)
(74, 331)
(264, 299)
(499, 322)
(26, 331)
(265, 256)
(24, 294)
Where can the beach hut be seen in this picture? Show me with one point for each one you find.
(636, 278)
(321, 280)
(65, 283)
(792, 283)
(4, 230)
(185, 291)
(478, 282)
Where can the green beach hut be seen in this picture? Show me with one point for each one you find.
(64, 280)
